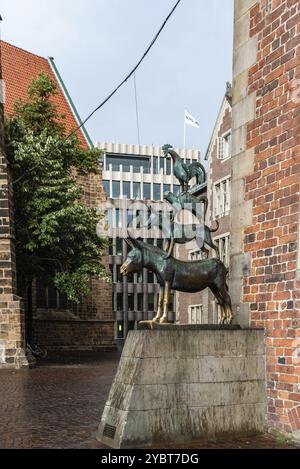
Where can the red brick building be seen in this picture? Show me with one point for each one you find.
(54, 323)
(265, 205)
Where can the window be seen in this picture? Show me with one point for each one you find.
(168, 166)
(116, 189)
(223, 245)
(136, 194)
(195, 314)
(130, 278)
(130, 302)
(120, 329)
(161, 164)
(155, 165)
(126, 161)
(48, 297)
(140, 218)
(140, 301)
(119, 301)
(109, 216)
(150, 277)
(195, 255)
(172, 302)
(126, 189)
(118, 213)
(224, 146)
(160, 243)
(167, 188)
(119, 246)
(216, 312)
(129, 217)
(156, 191)
(131, 325)
(222, 198)
(176, 189)
(140, 277)
(150, 302)
(106, 187)
(119, 275)
(147, 191)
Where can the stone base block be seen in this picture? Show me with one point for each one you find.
(182, 385)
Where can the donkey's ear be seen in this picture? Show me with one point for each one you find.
(129, 243)
(134, 242)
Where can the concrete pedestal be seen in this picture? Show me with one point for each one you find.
(183, 384)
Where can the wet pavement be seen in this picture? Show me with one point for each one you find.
(59, 405)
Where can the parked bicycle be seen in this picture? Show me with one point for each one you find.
(37, 351)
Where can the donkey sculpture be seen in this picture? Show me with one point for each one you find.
(173, 274)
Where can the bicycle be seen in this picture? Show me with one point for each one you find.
(37, 351)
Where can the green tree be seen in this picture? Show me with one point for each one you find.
(55, 231)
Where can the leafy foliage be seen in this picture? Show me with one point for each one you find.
(55, 231)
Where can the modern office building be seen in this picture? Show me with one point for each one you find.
(135, 179)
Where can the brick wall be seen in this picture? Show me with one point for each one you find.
(12, 346)
(267, 128)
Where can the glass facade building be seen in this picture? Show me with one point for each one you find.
(132, 175)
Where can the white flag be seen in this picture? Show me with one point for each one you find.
(190, 120)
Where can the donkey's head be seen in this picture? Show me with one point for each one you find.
(133, 262)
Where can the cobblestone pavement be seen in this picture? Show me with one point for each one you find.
(59, 405)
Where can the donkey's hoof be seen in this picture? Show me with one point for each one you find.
(163, 320)
(156, 319)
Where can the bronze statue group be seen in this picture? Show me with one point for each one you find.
(172, 273)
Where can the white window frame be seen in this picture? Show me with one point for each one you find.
(195, 314)
(216, 312)
(224, 253)
(224, 146)
(221, 197)
(195, 255)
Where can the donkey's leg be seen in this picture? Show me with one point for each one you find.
(215, 248)
(216, 291)
(170, 248)
(160, 304)
(205, 251)
(227, 301)
(164, 317)
(227, 315)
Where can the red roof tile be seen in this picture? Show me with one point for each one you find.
(19, 68)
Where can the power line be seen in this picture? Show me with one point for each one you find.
(136, 110)
(130, 73)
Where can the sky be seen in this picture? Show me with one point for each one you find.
(95, 43)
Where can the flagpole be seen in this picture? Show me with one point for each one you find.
(184, 131)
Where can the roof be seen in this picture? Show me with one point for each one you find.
(19, 68)
(226, 102)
